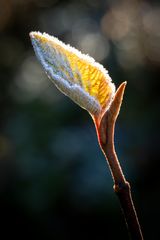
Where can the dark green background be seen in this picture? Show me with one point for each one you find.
(54, 181)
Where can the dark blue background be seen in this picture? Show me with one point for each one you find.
(54, 181)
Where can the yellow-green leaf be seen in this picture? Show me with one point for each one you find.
(77, 75)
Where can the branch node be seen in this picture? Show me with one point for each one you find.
(121, 187)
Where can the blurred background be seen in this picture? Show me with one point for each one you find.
(54, 181)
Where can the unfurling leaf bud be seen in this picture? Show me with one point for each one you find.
(77, 75)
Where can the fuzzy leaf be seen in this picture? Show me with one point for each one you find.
(75, 74)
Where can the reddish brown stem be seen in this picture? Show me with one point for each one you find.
(105, 131)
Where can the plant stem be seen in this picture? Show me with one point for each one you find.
(105, 132)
